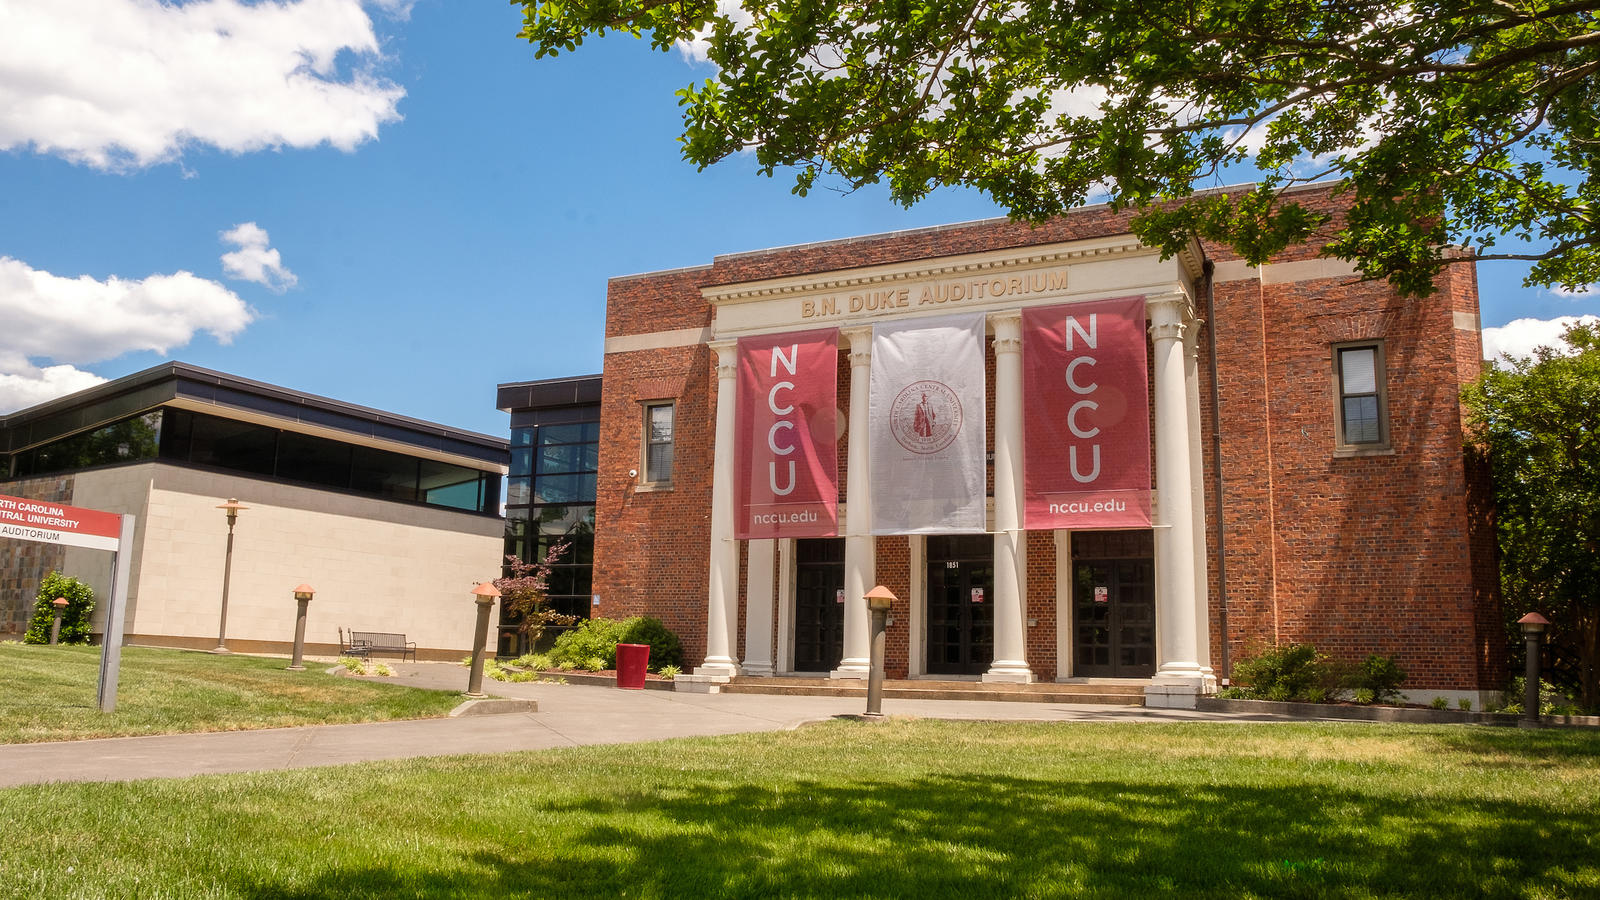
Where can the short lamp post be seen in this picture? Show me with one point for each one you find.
(485, 594)
(60, 603)
(878, 602)
(302, 599)
(1533, 626)
(232, 508)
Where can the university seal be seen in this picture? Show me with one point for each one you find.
(925, 417)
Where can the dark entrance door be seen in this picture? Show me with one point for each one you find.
(1114, 617)
(818, 614)
(960, 604)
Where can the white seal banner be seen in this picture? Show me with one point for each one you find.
(927, 415)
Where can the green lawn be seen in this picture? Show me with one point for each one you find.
(847, 809)
(48, 694)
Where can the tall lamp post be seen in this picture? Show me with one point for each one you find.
(878, 602)
(302, 598)
(1533, 626)
(485, 594)
(232, 508)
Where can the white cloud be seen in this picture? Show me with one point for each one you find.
(131, 83)
(1520, 337)
(34, 385)
(699, 49)
(254, 260)
(75, 321)
(1582, 292)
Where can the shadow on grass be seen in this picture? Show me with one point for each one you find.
(1010, 837)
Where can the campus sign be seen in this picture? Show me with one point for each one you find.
(53, 523)
(45, 522)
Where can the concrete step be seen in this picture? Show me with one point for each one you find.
(1105, 694)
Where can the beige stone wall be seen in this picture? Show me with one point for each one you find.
(376, 565)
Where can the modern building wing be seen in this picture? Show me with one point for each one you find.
(550, 490)
(391, 519)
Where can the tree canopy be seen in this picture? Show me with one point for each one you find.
(1539, 419)
(1449, 122)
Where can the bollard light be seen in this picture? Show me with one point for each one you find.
(60, 603)
(302, 599)
(485, 595)
(1533, 626)
(879, 599)
(232, 508)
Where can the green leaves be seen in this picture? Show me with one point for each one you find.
(1452, 122)
(1539, 420)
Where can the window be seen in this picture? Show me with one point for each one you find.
(1362, 417)
(658, 443)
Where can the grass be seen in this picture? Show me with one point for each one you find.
(48, 694)
(846, 809)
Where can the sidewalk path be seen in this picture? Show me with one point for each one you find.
(568, 716)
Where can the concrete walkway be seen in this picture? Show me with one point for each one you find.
(568, 716)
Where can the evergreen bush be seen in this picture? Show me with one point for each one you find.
(1289, 672)
(665, 648)
(74, 619)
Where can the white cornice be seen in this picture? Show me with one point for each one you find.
(1104, 248)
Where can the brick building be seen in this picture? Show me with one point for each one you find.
(1308, 477)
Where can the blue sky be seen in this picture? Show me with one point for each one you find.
(406, 252)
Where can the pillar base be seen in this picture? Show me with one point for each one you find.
(757, 670)
(700, 682)
(1009, 673)
(1171, 695)
(723, 667)
(857, 669)
(219, 650)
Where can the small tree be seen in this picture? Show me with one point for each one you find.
(525, 592)
(74, 619)
(1537, 417)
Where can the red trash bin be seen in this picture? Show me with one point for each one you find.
(632, 661)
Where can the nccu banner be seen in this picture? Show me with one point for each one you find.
(785, 436)
(927, 415)
(1086, 438)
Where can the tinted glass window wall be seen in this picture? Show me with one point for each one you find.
(550, 498)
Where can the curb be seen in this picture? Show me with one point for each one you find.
(1385, 713)
(493, 706)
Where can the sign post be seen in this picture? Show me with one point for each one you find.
(45, 522)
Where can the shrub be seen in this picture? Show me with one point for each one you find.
(535, 661)
(1464, 704)
(1380, 675)
(1289, 672)
(665, 648)
(1552, 702)
(1439, 703)
(1364, 695)
(596, 664)
(74, 619)
(353, 664)
(669, 672)
(595, 638)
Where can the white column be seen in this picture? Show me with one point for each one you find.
(722, 600)
(1178, 678)
(860, 556)
(758, 600)
(1010, 543)
(1197, 504)
(785, 605)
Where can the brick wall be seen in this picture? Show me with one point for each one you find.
(1375, 554)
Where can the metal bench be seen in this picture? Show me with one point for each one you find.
(366, 643)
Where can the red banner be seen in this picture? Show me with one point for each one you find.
(1086, 438)
(784, 435)
(47, 522)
